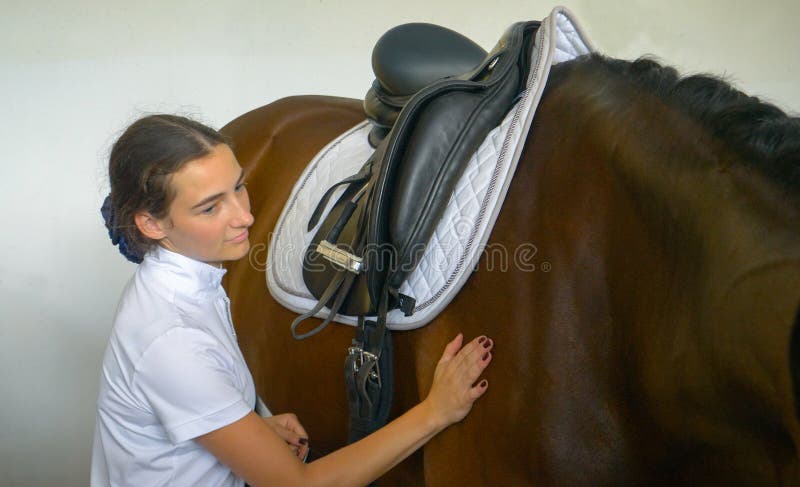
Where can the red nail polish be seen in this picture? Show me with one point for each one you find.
(486, 345)
(481, 339)
(485, 355)
(484, 383)
(303, 441)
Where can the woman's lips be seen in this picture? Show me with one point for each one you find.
(241, 237)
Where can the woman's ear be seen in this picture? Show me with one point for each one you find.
(149, 226)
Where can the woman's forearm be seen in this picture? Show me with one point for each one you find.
(255, 452)
(364, 461)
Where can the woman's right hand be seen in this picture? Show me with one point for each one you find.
(454, 390)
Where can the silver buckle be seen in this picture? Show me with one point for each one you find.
(339, 257)
(359, 355)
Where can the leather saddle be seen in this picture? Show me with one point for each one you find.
(428, 121)
(408, 58)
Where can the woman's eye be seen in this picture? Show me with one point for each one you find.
(209, 210)
(240, 187)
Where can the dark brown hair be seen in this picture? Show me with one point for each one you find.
(141, 163)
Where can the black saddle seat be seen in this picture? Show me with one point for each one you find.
(409, 57)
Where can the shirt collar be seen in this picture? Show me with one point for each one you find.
(183, 275)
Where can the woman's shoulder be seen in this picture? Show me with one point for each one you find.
(149, 309)
(146, 311)
(145, 302)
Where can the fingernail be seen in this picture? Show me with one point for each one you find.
(484, 383)
(304, 441)
(486, 345)
(485, 355)
(481, 339)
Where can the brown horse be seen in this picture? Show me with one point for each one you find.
(655, 350)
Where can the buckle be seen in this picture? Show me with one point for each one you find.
(339, 257)
(360, 357)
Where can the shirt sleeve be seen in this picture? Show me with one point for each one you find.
(189, 380)
(262, 409)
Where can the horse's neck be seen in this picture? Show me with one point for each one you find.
(728, 266)
(723, 243)
(702, 256)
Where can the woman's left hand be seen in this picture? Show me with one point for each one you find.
(291, 431)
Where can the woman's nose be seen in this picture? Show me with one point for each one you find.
(249, 219)
(243, 216)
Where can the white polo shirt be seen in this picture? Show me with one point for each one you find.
(172, 371)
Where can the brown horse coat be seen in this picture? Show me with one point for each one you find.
(640, 285)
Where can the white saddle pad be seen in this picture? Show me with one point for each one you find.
(462, 233)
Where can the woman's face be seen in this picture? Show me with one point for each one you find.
(210, 214)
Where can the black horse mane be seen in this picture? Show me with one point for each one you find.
(762, 133)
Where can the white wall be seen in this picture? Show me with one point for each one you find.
(73, 74)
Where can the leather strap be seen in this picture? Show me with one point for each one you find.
(369, 379)
(332, 288)
(360, 177)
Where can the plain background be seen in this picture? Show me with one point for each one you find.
(74, 74)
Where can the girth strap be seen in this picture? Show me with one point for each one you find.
(369, 379)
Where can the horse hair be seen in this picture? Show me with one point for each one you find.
(763, 134)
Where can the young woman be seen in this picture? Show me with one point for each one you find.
(176, 402)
